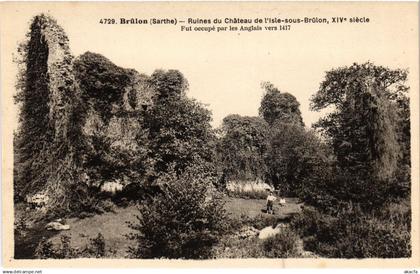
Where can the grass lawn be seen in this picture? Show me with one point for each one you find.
(254, 207)
(113, 225)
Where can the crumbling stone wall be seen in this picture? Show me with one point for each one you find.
(78, 116)
(44, 143)
(116, 100)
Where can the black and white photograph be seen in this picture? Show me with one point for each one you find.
(200, 132)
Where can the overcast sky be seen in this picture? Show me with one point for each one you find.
(225, 70)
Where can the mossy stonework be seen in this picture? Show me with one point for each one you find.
(49, 96)
(68, 102)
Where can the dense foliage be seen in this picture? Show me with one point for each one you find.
(46, 143)
(180, 133)
(102, 83)
(297, 161)
(354, 234)
(169, 84)
(369, 134)
(34, 132)
(366, 131)
(115, 143)
(279, 106)
(242, 148)
(95, 248)
(183, 221)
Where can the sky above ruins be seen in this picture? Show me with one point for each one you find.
(225, 70)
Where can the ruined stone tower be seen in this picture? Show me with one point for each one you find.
(46, 156)
(69, 106)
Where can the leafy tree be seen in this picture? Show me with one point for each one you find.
(277, 106)
(297, 161)
(183, 221)
(242, 147)
(169, 83)
(364, 127)
(401, 185)
(180, 220)
(180, 133)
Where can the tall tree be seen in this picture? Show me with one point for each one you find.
(364, 127)
(242, 147)
(179, 128)
(279, 106)
(169, 83)
(297, 161)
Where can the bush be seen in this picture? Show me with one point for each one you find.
(85, 201)
(96, 248)
(46, 249)
(183, 221)
(297, 160)
(259, 222)
(355, 234)
(234, 247)
(282, 245)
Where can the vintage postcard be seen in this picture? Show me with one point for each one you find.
(209, 134)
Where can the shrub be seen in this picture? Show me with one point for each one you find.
(183, 221)
(46, 249)
(259, 222)
(355, 234)
(20, 226)
(297, 160)
(234, 247)
(85, 201)
(282, 245)
(96, 248)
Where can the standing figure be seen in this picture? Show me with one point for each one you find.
(270, 202)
